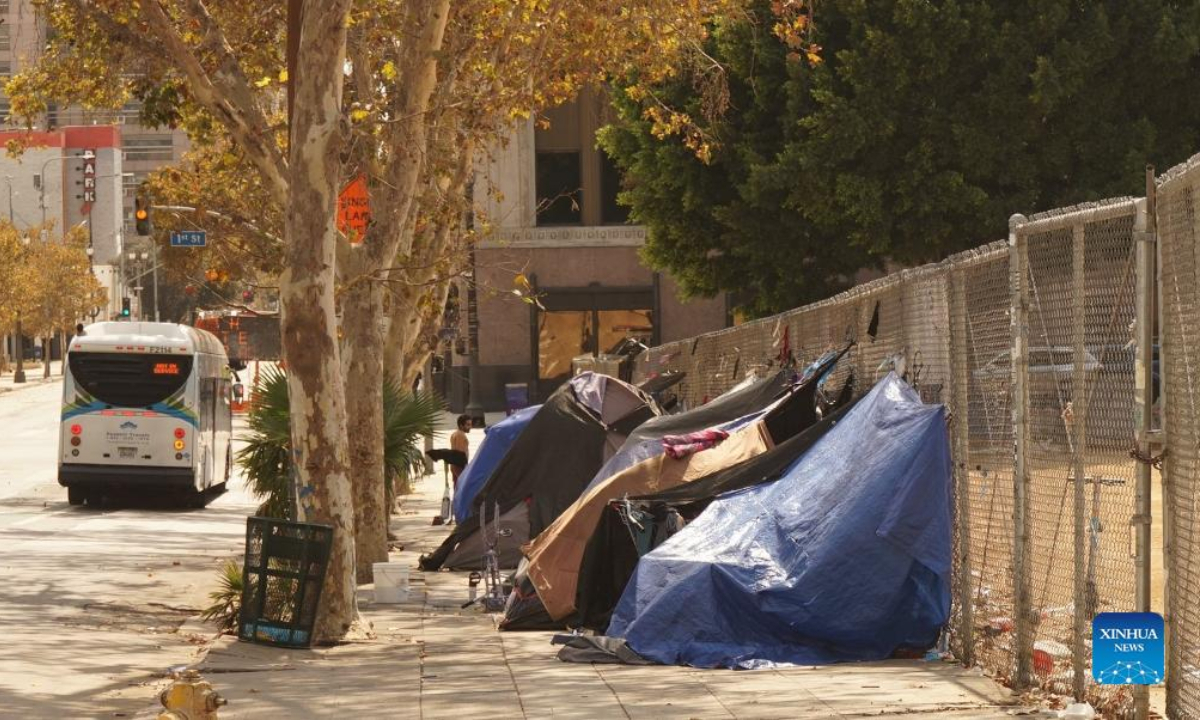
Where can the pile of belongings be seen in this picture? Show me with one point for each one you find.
(536, 479)
(833, 546)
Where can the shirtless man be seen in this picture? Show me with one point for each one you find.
(458, 441)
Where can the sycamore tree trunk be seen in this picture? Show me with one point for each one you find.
(46, 342)
(309, 323)
(363, 363)
(392, 200)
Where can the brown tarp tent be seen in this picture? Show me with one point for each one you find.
(555, 554)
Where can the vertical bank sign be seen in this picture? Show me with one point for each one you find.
(89, 180)
(1127, 649)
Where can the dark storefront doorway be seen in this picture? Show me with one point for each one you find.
(583, 321)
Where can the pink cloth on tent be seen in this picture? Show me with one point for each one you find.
(678, 446)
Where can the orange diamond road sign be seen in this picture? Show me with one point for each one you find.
(354, 210)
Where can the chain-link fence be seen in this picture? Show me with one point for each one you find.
(1177, 196)
(1031, 344)
(1074, 315)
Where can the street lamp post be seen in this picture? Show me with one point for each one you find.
(19, 375)
(42, 194)
(143, 256)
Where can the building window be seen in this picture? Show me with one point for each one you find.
(130, 113)
(611, 213)
(131, 181)
(559, 188)
(4, 6)
(149, 147)
(5, 38)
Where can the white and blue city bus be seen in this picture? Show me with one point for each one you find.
(146, 407)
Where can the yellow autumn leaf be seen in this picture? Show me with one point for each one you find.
(263, 82)
(389, 70)
(358, 115)
(283, 76)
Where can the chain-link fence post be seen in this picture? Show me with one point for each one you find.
(1022, 571)
(1077, 420)
(1147, 272)
(960, 407)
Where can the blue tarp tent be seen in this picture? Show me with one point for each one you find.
(496, 442)
(845, 557)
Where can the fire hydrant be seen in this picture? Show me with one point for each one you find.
(190, 698)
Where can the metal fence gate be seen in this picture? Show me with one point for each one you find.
(1178, 237)
(1043, 347)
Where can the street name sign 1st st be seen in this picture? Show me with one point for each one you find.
(189, 238)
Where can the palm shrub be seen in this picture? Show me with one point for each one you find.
(266, 457)
(408, 418)
(227, 598)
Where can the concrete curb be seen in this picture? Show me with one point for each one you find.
(10, 386)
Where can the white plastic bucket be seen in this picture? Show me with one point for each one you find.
(391, 582)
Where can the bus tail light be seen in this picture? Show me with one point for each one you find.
(77, 429)
(178, 444)
(179, 433)
(75, 440)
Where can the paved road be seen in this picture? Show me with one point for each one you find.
(92, 598)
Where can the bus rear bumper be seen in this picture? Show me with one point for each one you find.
(119, 477)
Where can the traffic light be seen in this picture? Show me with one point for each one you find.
(125, 307)
(141, 215)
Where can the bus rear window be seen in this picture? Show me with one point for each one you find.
(128, 380)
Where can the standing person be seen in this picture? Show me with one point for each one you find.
(458, 441)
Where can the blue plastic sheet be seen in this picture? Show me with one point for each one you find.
(496, 442)
(845, 557)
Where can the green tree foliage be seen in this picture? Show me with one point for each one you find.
(918, 131)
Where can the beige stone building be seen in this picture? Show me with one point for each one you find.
(547, 207)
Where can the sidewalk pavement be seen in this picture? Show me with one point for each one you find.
(33, 375)
(429, 658)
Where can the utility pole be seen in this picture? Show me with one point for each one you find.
(154, 249)
(474, 405)
(19, 342)
(121, 253)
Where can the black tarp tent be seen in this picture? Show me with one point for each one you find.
(565, 444)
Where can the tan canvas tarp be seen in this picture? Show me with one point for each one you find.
(555, 555)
